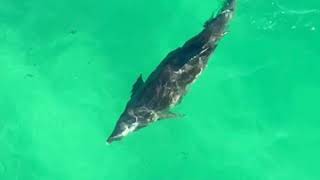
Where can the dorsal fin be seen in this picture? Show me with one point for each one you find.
(137, 85)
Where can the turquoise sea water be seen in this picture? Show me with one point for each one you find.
(67, 68)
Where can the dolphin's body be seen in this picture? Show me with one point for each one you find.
(151, 100)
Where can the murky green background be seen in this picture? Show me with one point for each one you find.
(67, 67)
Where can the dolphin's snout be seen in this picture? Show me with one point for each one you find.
(114, 138)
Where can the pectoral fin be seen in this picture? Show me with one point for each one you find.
(170, 115)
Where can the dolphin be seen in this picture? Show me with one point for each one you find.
(152, 100)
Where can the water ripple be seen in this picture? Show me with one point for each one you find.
(285, 10)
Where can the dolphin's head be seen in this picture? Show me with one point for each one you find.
(123, 127)
(128, 123)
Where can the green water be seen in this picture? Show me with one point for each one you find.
(67, 67)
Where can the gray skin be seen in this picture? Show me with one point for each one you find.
(151, 100)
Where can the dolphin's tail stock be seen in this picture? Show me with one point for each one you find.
(225, 13)
(216, 26)
(229, 5)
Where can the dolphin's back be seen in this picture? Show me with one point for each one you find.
(167, 84)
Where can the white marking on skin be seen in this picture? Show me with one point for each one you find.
(128, 130)
(201, 69)
(180, 71)
(187, 67)
(175, 99)
(197, 76)
(131, 113)
(204, 50)
(133, 126)
(226, 11)
(155, 116)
